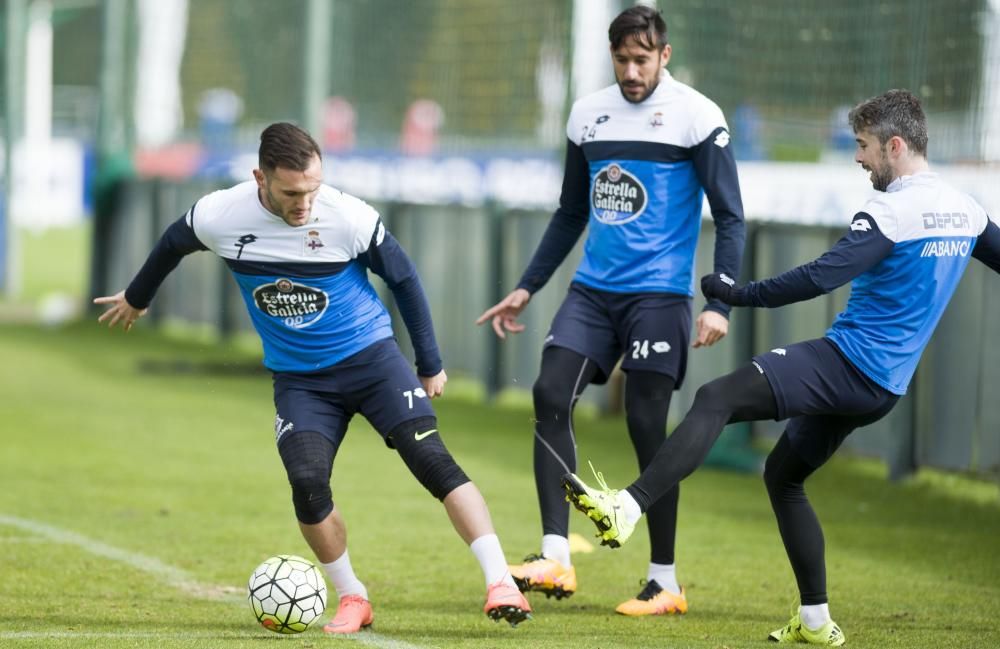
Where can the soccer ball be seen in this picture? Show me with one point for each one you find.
(287, 593)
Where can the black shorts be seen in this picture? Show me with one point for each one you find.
(377, 382)
(651, 329)
(823, 394)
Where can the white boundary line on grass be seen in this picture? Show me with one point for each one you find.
(365, 637)
(170, 574)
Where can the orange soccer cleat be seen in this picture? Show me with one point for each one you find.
(353, 614)
(545, 576)
(653, 600)
(504, 600)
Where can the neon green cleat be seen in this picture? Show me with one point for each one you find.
(603, 506)
(828, 635)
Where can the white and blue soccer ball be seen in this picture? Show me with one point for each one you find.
(287, 593)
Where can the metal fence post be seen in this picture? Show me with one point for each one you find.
(496, 251)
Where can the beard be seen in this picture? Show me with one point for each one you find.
(881, 177)
(641, 99)
(881, 173)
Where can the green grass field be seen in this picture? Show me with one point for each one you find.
(136, 504)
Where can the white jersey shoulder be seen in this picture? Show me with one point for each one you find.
(675, 114)
(922, 206)
(235, 225)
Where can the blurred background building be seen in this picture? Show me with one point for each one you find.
(449, 116)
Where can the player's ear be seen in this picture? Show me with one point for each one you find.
(665, 55)
(258, 175)
(897, 146)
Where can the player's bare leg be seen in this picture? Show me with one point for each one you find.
(471, 519)
(328, 540)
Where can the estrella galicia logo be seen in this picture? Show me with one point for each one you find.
(617, 196)
(245, 240)
(296, 305)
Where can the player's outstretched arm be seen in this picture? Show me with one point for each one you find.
(987, 249)
(434, 385)
(178, 240)
(855, 253)
(119, 310)
(504, 313)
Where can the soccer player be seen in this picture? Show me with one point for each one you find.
(300, 251)
(905, 252)
(641, 155)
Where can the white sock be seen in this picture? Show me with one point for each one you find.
(490, 556)
(556, 547)
(665, 575)
(342, 576)
(632, 510)
(815, 615)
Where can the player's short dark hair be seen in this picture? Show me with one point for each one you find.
(643, 23)
(896, 112)
(287, 146)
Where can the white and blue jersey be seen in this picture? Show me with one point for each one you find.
(637, 175)
(306, 287)
(905, 252)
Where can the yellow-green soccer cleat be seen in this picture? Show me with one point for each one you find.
(603, 506)
(828, 635)
(545, 576)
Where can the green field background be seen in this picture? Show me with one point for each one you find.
(141, 487)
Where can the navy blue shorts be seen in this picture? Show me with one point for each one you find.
(377, 382)
(652, 330)
(823, 395)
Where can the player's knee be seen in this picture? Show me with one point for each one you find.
(422, 449)
(308, 468)
(551, 393)
(772, 478)
(783, 483)
(711, 396)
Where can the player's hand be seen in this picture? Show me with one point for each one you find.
(119, 311)
(434, 385)
(710, 327)
(504, 313)
(722, 287)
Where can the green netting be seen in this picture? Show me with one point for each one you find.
(477, 59)
(792, 68)
(784, 72)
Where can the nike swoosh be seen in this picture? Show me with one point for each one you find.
(420, 436)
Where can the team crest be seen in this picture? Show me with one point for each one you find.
(312, 243)
(656, 119)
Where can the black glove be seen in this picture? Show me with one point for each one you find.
(722, 287)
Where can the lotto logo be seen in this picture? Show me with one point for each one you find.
(722, 139)
(861, 225)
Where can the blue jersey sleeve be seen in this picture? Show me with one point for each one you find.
(387, 259)
(856, 252)
(567, 224)
(716, 169)
(177, 241)
(987, 248)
